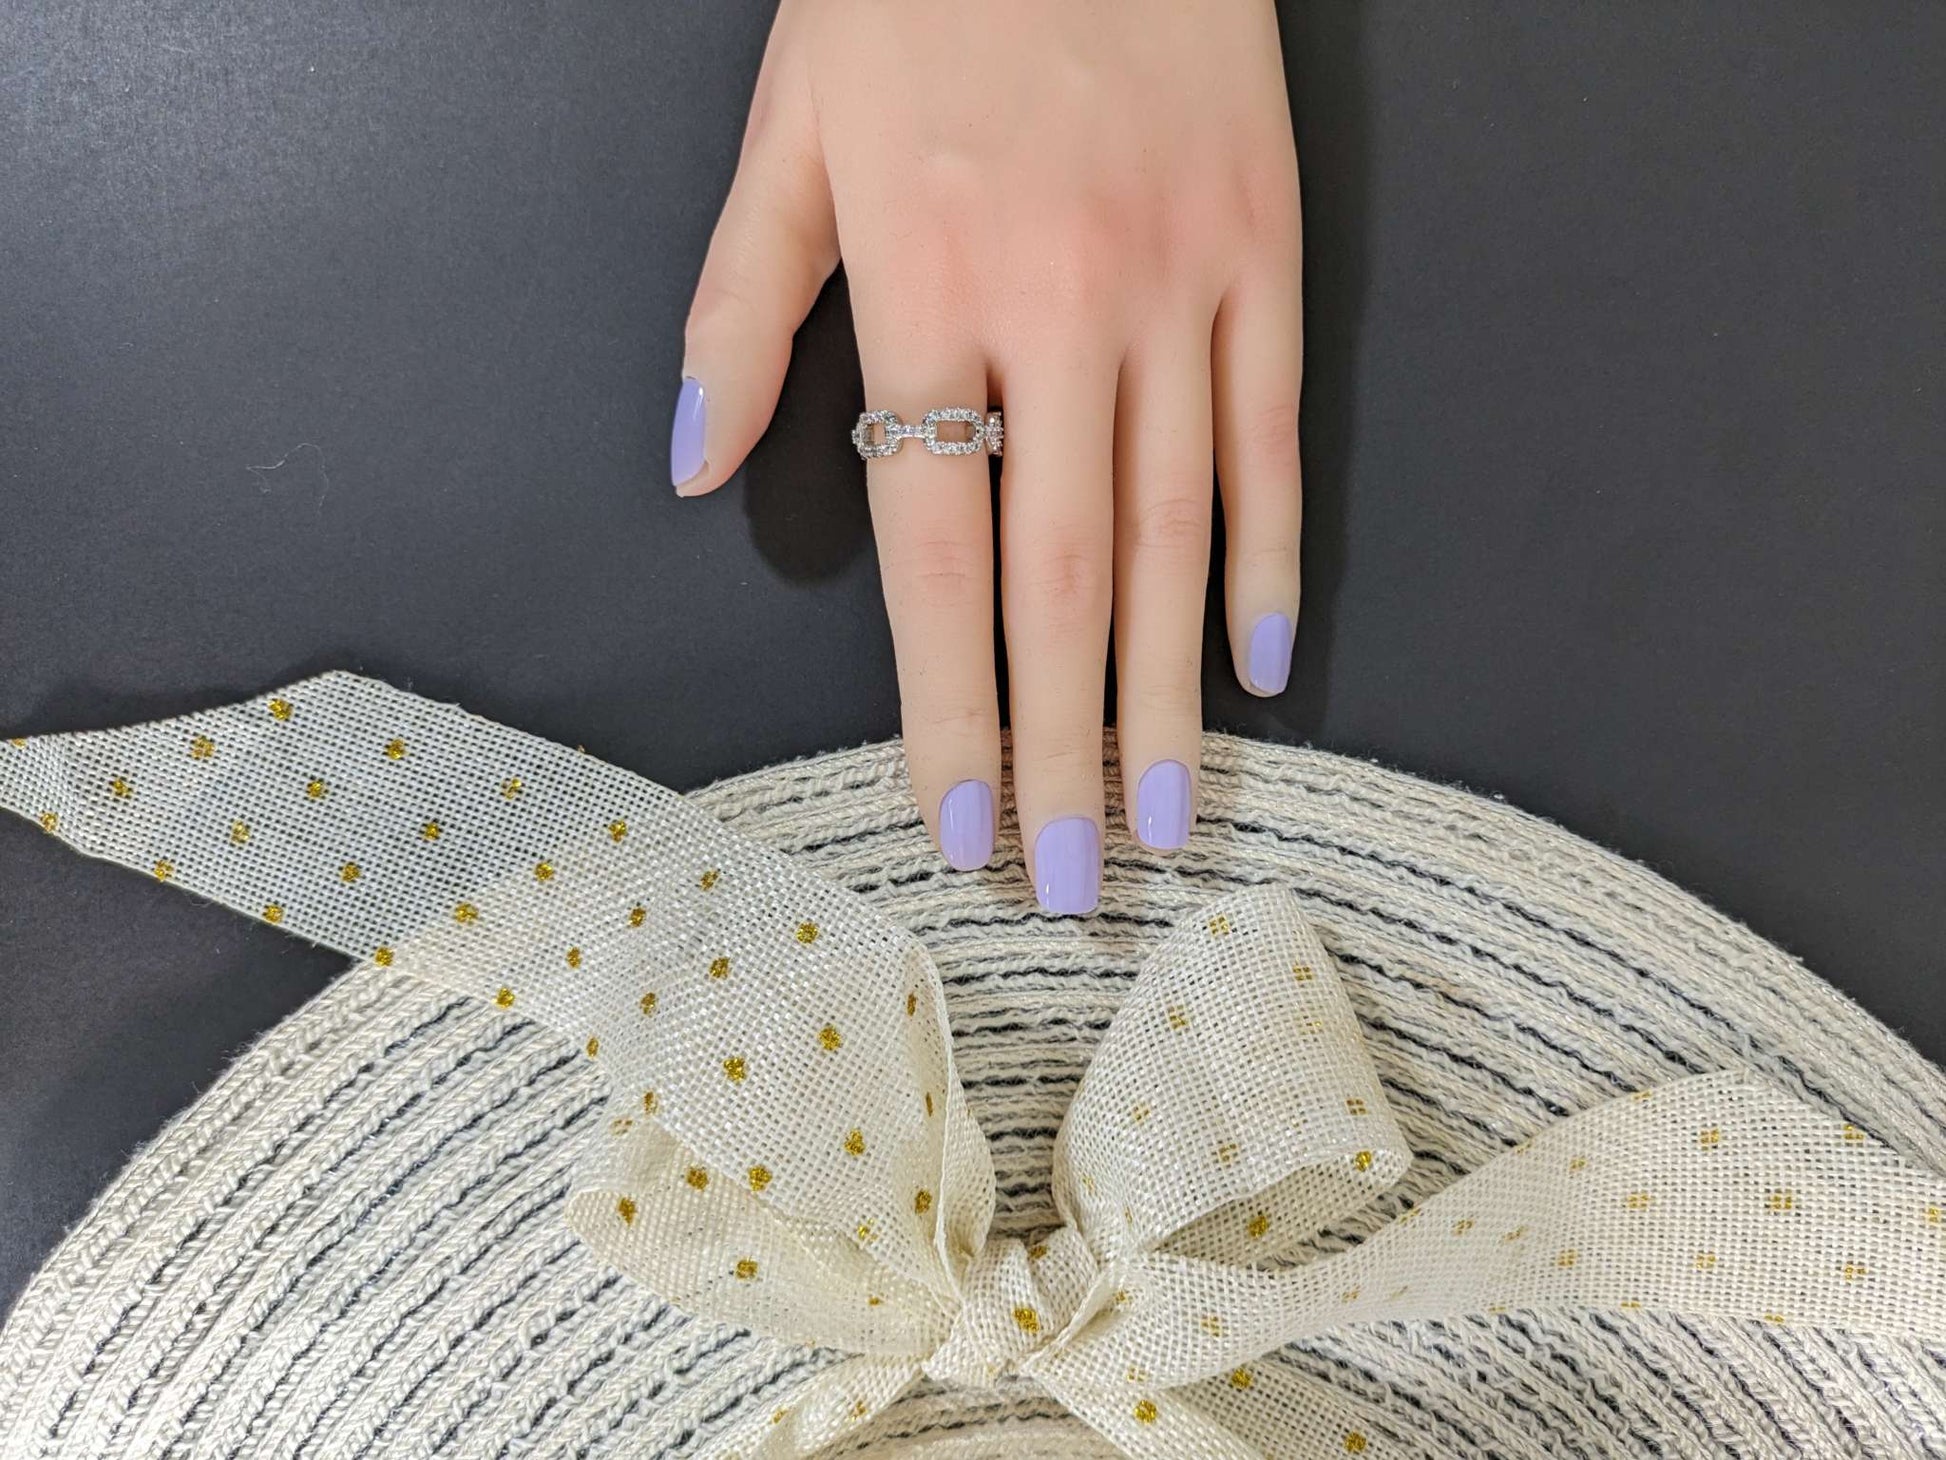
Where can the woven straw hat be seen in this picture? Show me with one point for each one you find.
(354, 1244)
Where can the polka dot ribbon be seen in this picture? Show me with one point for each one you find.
(789, 1148)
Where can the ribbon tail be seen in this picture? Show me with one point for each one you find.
(831, 1408)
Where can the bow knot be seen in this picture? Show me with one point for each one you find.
(1017, 1301)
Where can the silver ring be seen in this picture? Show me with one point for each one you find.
(986, 432)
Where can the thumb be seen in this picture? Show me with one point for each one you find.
(774, 246)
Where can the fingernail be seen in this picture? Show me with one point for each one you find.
(966, 825)
(686, 436)
(1162, 810)
(1270, 654)
(1067, 865)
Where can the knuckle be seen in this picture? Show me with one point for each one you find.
(1267, 435)
(1267, 562)
(1173, 530)
(1070, 761)
(940, 569)
(957, 720)
(1067, 586)
(1266, 202)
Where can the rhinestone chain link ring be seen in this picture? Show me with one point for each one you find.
(881, 433)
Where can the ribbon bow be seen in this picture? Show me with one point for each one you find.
(792, 1150)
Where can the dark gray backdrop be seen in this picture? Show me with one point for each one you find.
(346, 335)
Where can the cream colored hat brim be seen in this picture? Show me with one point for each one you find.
(352, 1244)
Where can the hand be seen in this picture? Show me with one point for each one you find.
(1088, 213)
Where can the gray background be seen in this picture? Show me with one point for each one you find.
(346, 335)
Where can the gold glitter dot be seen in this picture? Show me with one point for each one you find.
(873, 1301)
(1780, 1201)
(1513, 1236)
(121, 788)
(735, 1068)
(350, 872)
(922, 1201)
(1776, 1318)
(382, 957)
(1710, 1137)
(1219, 926)
(1705, 1261)
(860, 1409)
(778, 1416)
(164, 870)
(1934, 1216)
(1349, 1295)
(1211, 1324)
(1259, 1225)
(829, 1037)
(1241, 1378)
(1853, 1133)
(1568, 1258)
(1026, 1319)
(505, 998)
(1138, 1375)
(430, 831)
(1178, 1017)
(1637, 1201)
(1302, 972)
(719, 967)
(1363, 1160)
(1521, 1148)
(511, 787)
(807, 933)
(866, 1233)
(17, 742)
(1227, 1152)
(1641, 1095)
(1312, 1025)
(855, 1142)
(49, 821)
(1579, 1163)
(1355, 1106)
(1037, 1252)
(617, 830)
(1139, 1113)
(929, 1104)
(315, 788)
(626, 1210)
(651, 1102)
(1853, 1271)
(543, 871)
(759, 1177)
(911, 1005)
(648, 1002)
(697, 1177)
(466, 913)
(746, 1269)
(273, 913)
(593, 1045)
(637, 915)
(1355, 1443)
(574, 958)
(708, 879)
(1145, 1411)
(1122, 1297)
(395, 750)
(1463, 1226)
(280, 709)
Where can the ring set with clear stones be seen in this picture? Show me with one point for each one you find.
(882, 433)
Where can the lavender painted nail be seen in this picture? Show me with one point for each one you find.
(1067, 865)
(966, 825)
(1270, 654)
(1162, 809)
(686, 436)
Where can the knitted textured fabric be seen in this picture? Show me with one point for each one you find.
(355, 1243)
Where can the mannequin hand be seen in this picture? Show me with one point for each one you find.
(1086, 212)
